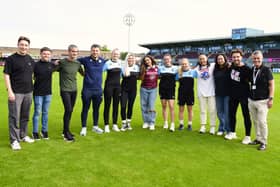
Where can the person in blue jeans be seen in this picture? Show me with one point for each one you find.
(92, 88)
(42, 93)
(148, 91)
(222, 92)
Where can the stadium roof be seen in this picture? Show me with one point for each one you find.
(217, 41)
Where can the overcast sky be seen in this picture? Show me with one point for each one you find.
(58, 23)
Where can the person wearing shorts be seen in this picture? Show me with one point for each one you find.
(185, 77)
(167, 74)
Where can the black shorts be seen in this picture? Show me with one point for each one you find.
(167, 93)
(184, 99)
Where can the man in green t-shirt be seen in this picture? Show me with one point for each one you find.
(68, 69)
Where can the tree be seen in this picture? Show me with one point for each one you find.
(105, 48)
(123, 55)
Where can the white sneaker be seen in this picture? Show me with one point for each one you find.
(246, 140)
(107, 129)
(15, 145)
(116, 128)
(152, 127)
(220, 133)
(212, 130)
(233, 135)
(97, 130)
(165, 126)
(145, 125)
(27, 139)
(83, 131)
(202, 129)
(128, 125)
(230, 136)
(172, 127)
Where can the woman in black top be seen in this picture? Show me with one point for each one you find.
(222, 91)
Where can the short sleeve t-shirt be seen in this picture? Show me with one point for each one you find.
(67, 75)
(20, 69)
(167, 77)
(130, 82)
(43, 78)
(240, 77)
(186, 80)
(205, 80)
(114, 69)
(150, 78)
(259, 89)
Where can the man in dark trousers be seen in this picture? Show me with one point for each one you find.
(92, 88)
(240, 77)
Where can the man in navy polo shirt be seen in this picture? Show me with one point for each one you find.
(18, 72)
(92, 87)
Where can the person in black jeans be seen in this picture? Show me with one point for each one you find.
(240, 77)
(68, 69)
(112, 89)
(129, 89)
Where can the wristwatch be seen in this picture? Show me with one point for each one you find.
(270, 98)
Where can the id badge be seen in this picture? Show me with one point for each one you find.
(254, 87)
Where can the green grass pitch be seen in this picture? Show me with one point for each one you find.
(138, 157)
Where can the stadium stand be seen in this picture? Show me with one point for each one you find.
(246, 39)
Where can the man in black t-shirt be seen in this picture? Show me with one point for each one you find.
(42, 92)
(18, 72)
(261, 98)
(240, 77)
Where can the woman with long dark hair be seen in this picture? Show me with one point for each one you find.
(148, 91)
(206, 93)
(222, 92)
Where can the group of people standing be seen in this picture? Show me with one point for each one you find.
(221, 86)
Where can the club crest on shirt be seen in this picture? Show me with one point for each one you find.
(204, 74)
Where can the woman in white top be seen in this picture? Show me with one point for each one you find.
(206, 93)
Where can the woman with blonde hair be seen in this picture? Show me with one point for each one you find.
(185, 77)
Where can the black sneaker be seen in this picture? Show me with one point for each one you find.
(262, 147)
(73, 135)
(189, 127)
(68, 137)
(255, 142)
(181, 127)
(45, 135)
(36, 136)
(124, 127)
